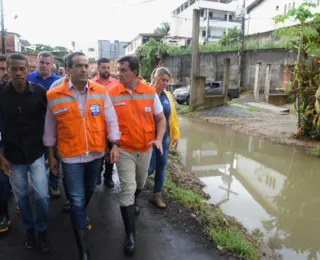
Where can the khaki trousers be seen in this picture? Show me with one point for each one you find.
(133, 172)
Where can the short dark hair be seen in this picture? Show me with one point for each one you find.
(45, 54)
(69, 61)
(17, 56)
(3, 57)
(133, 62)
(103, 60)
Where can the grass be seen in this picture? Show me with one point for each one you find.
(184, 110)
(315, 151)
(226, 233)
(252, 109)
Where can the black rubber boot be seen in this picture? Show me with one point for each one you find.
(129, 225)
(82, 240)
(136, 207)
(108, 172)
(30, 238)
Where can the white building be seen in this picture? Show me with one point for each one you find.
(176, 41)
(140, 39)
(260, 14)
(217, 17)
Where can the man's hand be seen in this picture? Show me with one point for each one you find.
(114, 154)
(4, 165)
(175, 143)
(53, 165)
(158, 144)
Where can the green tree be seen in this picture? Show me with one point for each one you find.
(232, 37)
(148, 54)
(305, 41)
(164, 28)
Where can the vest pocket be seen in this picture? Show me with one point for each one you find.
(68, 140)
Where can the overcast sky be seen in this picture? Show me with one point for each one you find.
(59, 22)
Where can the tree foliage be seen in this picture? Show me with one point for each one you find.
(164, 28)
(305, 41)
(148, 54)
(57, 51)
(233, 36)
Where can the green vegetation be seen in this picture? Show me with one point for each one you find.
(226, 233)
(164, 28)
(184, 110)
(315, 151)
(305, 41)
(148, 54)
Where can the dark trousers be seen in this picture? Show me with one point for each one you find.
(108, 167)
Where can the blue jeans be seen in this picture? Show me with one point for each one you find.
(39, 183)
(4, 182)
(158, 163)
(80, 180)
(54, 179)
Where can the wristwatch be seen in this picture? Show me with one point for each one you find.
(116, 143)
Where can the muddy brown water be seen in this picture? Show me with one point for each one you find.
(266, 186)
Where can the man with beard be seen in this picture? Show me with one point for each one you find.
(103, 78)
(45, 77)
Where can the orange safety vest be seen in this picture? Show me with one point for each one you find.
(78, 135)
(135, 116)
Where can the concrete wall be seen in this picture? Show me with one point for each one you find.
(212, 64)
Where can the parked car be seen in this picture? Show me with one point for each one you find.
(214, 88)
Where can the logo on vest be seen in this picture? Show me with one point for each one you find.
(147, 109)
(57, 112)
(95, 110)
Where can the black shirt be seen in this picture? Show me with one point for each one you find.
(22, 122)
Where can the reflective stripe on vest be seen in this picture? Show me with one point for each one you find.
(58, 101)
(133, 97)
(96, 97)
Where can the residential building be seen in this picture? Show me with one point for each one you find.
(13, 43)
(111, 50)
(132, 46)
(260, 14)
(217, 17)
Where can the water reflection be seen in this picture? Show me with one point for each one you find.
(264, 185)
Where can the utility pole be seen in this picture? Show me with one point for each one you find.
(3, 33)
(195, 55)
(241, 54)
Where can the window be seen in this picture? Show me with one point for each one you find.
(186, 5)
(192, 2)
(285, 9)
(289, 7)
(230, 17)
(225, 17)
(293, 5)
(203, 33)
(202, 13)
(277, 8)
(210, 14)
(91, 49)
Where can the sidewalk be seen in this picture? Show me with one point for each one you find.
(157, 237)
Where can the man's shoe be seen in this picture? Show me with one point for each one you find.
(4, 224)
(158, 201)
(99, 181)
(88, 223)
(108, 181)
(81, 239)
(17, 209)
(43, 241)
(129, 224)
(30, 239)
(66, 206)
(54, 192)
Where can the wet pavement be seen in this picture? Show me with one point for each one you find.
(265, 186)
(157, 238)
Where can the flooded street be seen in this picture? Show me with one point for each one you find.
(265, 186)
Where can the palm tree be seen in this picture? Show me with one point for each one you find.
(164, 28)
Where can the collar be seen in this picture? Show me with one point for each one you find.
(70, 85)
(38, 76)
(138, 89)
(30, 87)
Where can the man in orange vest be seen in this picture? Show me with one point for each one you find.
(80, 118)
(103, 77)
(137, 106)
